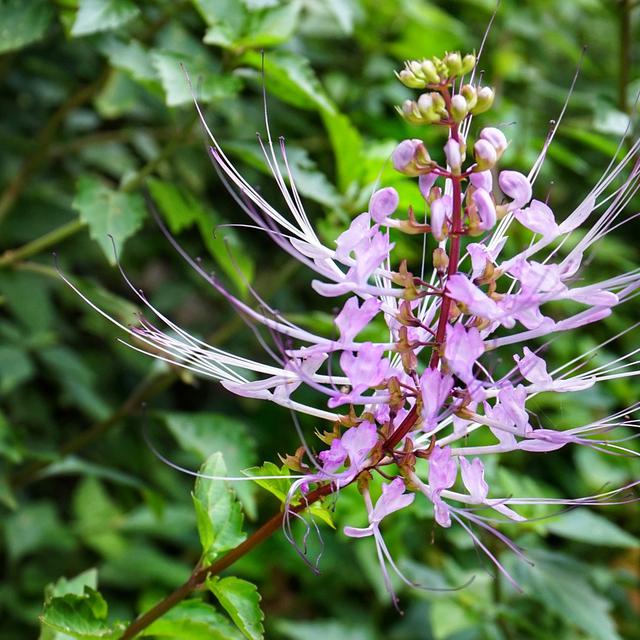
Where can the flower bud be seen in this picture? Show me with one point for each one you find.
(425, 182)
(409, 79)
(383, 203)
(496, 138)
(517, 187)
(440, 260)
(453, 63)
(470, 94)
(485, 155)
(438, 219)
(412, 158)
(485, 100)
(410, 112)
(453, 150)
(486, 209)
(459, 108)
(468, 63)
(430, 72)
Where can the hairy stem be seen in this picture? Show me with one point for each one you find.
(200, 574)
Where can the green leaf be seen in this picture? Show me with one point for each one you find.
(81, 616)
(193, 620)
(308, 180)
(241, 601)
(560, 584)
(585, 526)
(97, 518)
(22, 23)
(279, 488)
(270, 26)
(129, 56)
(182, 210)
(218, 513)
(15, 368)
(291, 78)
(108, 212)
(102, 15)
(208, 86)
(76, 585)
(329, 629)
(206, 433)
(347, 147)
(35, 527)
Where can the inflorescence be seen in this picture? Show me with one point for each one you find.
(411, 407)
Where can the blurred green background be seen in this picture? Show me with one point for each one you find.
(96, 116)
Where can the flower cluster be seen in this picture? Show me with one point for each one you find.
(410, 406)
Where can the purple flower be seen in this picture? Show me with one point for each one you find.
(462, 349)
(383, 203)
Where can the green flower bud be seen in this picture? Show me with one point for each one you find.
(453, 63)
(408, 79)
(470, 94)
(410, 112)
(459, 108)
(485, 100)
(468, 63)
(429, 71)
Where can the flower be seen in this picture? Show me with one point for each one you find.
(416, 397)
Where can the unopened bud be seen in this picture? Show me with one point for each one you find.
(440, 260)
(468, 63)
(410, 112)
(453, 62)
(454, 152)
(470, 94)
(410, 80)
(485, 100)
(496, 138)
(485, 155)
(412, 158)
(459, 108)
(429, 71)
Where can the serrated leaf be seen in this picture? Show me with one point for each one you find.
(291, 78)
(218, 513)
(102, 15)
(210, 86)
(108, 212)
(585, 526)
(193, 620)
(129, 56)
(75, 585)
(205, 433)
(241, 601)
(279, 488)
(81, 616)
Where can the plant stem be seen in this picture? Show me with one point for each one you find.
(11, 256)
(625, 54)
(43, 140)
(199, 575)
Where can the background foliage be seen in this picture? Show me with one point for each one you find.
(97, 116)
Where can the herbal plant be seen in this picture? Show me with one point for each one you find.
(97, 116)
(416, 414)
